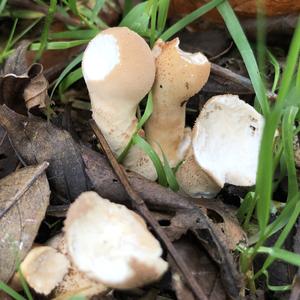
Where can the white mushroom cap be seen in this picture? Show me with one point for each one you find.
(44, 268)
(75, 283)
(226, 140)
(111, 243)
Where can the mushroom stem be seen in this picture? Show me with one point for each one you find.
(179, 76)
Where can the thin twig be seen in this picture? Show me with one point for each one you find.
(236, 78)
(141, 207)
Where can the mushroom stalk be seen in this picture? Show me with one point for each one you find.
(179, 76)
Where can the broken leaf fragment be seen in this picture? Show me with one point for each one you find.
(24, 197)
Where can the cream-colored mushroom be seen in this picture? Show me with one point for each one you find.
(111, 243)
(44, 268)
(74, 283)
(225, 147)
(118, 68)
(179, 76)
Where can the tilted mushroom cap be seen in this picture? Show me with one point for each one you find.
(74, 283)
(179, 76)
(111, 243)
(44, 268)
(226, 140)
(118, 68)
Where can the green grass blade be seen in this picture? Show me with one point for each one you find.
(246, 208)
(137, 19)
(2, 5)
(146, 115)
(287, 137)
(291, 63)
(281, 254)
(96, 9)
(239, 37)
(74, 34)
(163, 8)
(276, 66)
(140, 142)
(281, 239)
(48, 21)
(127, 7)
(9, 291)
(189, 19)
(24, 284)
(58, 45)
(65, 72)
(70, 79)
(171, 178)
(153, 18)
(276, 288)
(9, 41)
(279, 222)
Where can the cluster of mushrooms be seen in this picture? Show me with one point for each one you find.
(120, 69)
(105, 245)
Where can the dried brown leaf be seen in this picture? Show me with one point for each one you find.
(21, 85)
(24, 197)
(36, 141)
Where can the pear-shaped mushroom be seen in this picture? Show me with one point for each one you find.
(118, 68)
(111, 243)
(225, 147)
(179, 76)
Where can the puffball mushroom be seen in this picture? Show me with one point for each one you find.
(44, 268)
(118, 68)
(179, 76)
(225, 147)
(111, 243)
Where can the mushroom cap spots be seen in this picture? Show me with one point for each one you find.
(111, 243)
(226, 140)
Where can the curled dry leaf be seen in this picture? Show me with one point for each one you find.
(36, 141)
(24, 197)
(19, 83)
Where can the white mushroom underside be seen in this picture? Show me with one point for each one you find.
(192, 58)
(227, 141)
(109, 239)
(101, 56)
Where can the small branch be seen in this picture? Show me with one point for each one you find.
(236, 78)
(141, 207)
